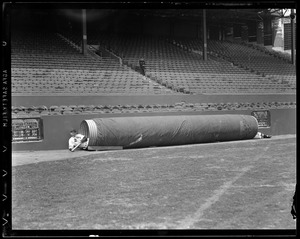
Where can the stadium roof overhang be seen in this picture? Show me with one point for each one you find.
(214, 16)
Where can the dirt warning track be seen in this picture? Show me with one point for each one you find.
(29, 157)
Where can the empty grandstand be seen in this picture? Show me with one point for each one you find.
(56, 73)
(182, 68)
(44, 63)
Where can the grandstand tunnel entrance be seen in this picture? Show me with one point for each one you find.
(139, 132)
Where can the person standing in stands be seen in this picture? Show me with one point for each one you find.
(142, 66)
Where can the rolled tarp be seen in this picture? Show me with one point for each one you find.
(138, 132)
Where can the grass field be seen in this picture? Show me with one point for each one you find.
(231, 185)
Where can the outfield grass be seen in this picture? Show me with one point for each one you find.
(233, 185)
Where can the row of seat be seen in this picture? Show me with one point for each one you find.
(281, 55)
(50, 70)
(242, 52)
(185, 62)
(256, 59)
(168, 63)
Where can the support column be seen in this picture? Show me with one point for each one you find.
(142, 25)
(171, 32)
(204, 36)
(84, 35)
(260, 33)
(292, 37)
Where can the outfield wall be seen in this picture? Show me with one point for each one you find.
(56, 128)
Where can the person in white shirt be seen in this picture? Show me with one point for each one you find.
(260, 135)
(77, 141)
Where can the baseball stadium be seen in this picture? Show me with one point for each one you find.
(170, 99)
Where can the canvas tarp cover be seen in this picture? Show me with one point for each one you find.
(133, 132)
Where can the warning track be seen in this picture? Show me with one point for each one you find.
(29, 157)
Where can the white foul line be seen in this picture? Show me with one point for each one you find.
(189, 221)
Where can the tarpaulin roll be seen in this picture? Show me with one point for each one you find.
(137, 132)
